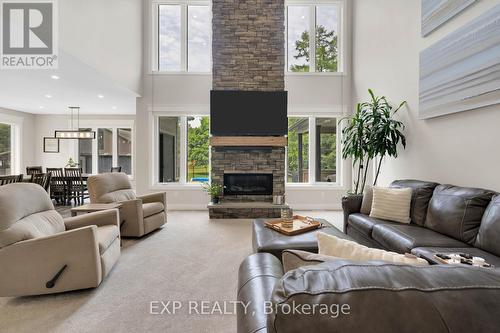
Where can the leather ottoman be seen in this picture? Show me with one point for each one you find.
(270, 241)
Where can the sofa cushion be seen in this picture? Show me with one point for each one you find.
(346, 249)
(152, 208)
(106, 235)
(366, 204)
(403, 238)
(20, 200)
(293, 259)
(36, 225)
(427, 252)
(364, 224)
(457, 211)
(488, 237)
(110, 187)
(421, 195)
(391, 204)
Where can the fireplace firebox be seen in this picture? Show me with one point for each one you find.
(248, 184)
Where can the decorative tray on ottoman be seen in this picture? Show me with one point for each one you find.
(301, 224)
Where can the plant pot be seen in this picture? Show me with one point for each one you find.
(215, 200)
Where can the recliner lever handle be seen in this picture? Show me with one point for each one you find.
(51, 283)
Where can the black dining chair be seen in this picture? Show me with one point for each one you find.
(77, 188)
(4, 180)
(58, 187)
(116, 169)
(30, 170)
(42, 179)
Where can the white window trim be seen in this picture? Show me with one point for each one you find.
(182, 183)
(114, 125)
(340, 180)
(184, 4)
(16, 130)
(312, 28)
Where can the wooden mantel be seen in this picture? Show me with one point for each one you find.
(248, 141)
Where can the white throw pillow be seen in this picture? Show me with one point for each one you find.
(391, 204)
(342, 248)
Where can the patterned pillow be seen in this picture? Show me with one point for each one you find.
(391, 204)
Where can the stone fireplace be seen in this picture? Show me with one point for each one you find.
(248, 54)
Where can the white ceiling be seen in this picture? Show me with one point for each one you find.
(78, 85)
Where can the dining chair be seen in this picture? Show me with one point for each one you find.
(4, 180)
(33, 169)
(42, 179)
(116, 169)
(77, 188)
(58, 185)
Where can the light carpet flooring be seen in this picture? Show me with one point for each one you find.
(191, 258)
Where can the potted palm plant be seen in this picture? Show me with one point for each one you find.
(214, 190)
(371, 133)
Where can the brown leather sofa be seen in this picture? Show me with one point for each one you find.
(140, 214)
(444, 218)
(40, 253)
(385, 297)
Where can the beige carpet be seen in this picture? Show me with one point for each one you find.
(190, 259)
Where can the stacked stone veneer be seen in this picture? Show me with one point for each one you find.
(248, 53)
(248, 46)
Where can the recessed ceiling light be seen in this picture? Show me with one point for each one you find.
(303, 17)
(195, 16)
(48, 96)
(41, 107)
(54, 77)
(114, 107)
(100, 96)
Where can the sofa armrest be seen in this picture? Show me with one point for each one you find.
(105, 217)
(27, 266)
(349, 297)
(154, 197)
(351, 204)
(257, 276)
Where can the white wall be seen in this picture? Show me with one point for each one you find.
(25, 123)
(106, 35)
(460, 148)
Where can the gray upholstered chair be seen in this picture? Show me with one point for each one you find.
(40, 253)
(140, 214)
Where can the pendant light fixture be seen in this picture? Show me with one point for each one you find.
(75, 132)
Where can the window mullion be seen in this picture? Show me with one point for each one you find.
(312, 150)
(183, 152)
(312, 38)
(184, 32)
(114, 150)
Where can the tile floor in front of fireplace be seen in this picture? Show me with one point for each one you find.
(190, 258)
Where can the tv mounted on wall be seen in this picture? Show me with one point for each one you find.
(248, 113)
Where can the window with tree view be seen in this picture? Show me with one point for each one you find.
(318, 54)
(298, 150)
(5, 149)
(197, 149)
(326, 150)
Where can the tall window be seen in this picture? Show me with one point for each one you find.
(312, 150)
(124, 142)
(198, 129)
(169, 149)
(113, 147)
(326, 153)
(298, 150)
(183, 37)
(85, 153)
(183, 149)
(5, 149)
(318, 54)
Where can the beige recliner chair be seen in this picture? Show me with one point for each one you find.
(40, 253)
(139, 214)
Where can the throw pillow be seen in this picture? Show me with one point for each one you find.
(293, 259)
(342, 248)
(391, 204)
(366, 204)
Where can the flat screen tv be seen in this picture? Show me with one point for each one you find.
(248, 113)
